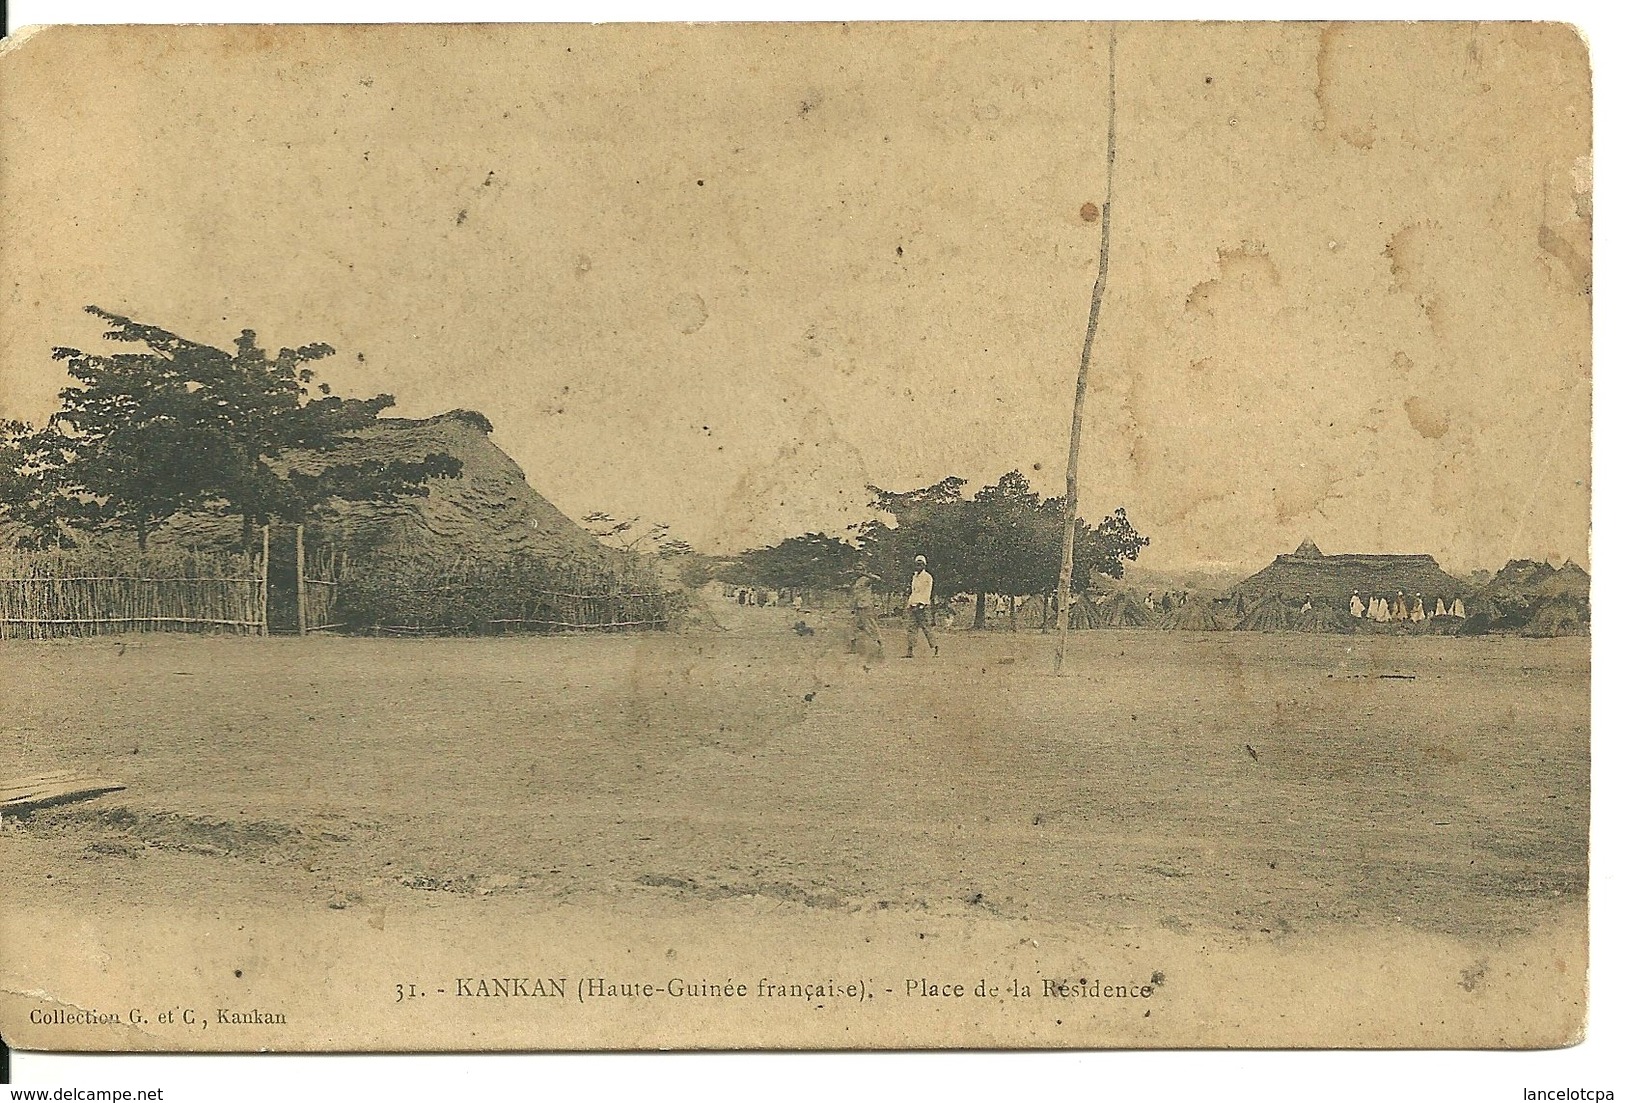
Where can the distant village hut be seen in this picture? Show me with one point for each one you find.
(1085, 612)
(1557, 617)
(1324, 617)
(1268, 614)
(1196, 615)
(1122, 610)
(1330, 580)
(1536, 598)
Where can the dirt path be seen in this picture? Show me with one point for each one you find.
(1435, 787)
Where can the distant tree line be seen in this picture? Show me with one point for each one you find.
(177, 425)
(1004, 539)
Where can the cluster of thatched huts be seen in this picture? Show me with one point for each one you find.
(1308, 591)
(1534, 599)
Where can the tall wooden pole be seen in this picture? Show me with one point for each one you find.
(299, 573)
(265, 581)
(1063, 594)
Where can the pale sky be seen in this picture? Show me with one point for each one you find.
(1348, 296)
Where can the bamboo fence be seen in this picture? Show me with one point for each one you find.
(320, 589)
(46, 595)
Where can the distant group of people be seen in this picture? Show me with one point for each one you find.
(766, 597)
(1413, 610)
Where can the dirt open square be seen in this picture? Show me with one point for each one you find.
(1330, 820)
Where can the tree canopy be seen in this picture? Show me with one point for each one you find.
(35, 493)
(1003, 539)
(812, 560)
(179, 425)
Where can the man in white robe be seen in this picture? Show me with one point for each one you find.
(919, 608)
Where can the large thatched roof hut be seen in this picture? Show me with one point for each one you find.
(488, 510)
(1307, 573)
(477, 552)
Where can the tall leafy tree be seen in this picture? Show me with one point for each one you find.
(933, 521)
(1005, 539)
(812, 560)
(1104, 548)
(1010, 551)
(180, 425)
(128, 428)
(39, 502)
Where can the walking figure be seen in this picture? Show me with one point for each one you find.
(863, 615)
(919, 607)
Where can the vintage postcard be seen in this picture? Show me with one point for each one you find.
(811, 536)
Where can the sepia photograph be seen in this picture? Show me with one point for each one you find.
(798, 536)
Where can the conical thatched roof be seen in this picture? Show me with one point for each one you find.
(486, 510)
(1557, 617)
(1520, 580)
(1569, 581)
(1269, 615)
(1121, 610)
(1085, 613)
(1333, 578)
(1324, 618)
(1196, 615)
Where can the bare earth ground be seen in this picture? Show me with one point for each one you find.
(1401, 857)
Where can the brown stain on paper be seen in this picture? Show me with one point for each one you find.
(1244, 270)
(1337, 64)
(1426, 418)
(1406, 253)
(1573, 261)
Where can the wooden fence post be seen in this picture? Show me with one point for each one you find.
(299, 573)
(265, 581)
